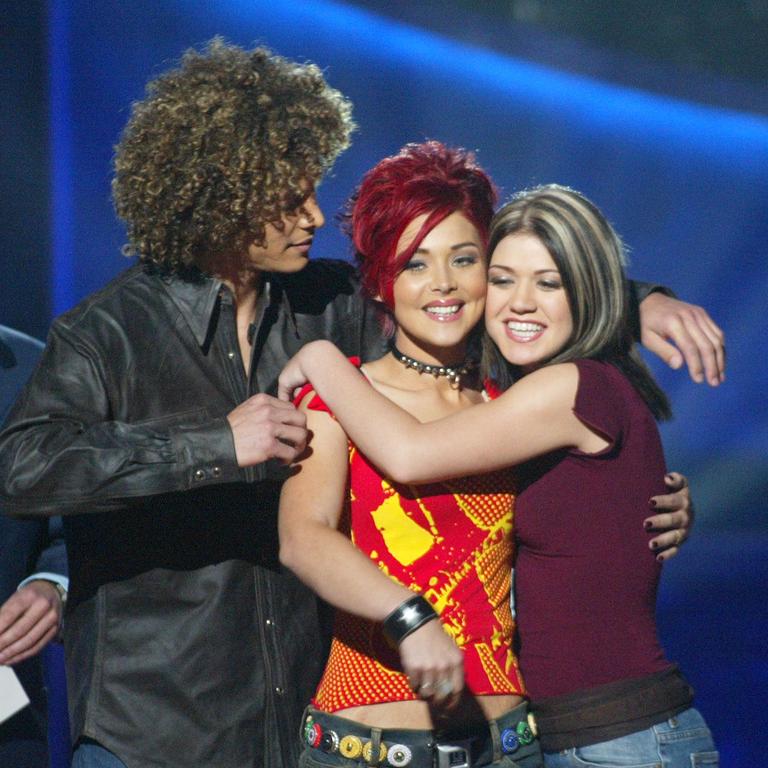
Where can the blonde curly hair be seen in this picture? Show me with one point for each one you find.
(219, 148)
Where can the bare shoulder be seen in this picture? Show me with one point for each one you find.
(545, 401)
(377, 371)
(549, 386)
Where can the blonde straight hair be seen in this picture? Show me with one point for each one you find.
(591, 259)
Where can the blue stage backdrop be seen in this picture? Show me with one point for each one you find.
(686, 185)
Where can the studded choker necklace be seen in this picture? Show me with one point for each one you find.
(451, 372)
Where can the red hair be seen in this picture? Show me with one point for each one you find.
(427, 178)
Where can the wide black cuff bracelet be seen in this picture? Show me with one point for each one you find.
(406, 618)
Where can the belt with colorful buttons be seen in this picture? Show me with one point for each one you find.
(332, 735)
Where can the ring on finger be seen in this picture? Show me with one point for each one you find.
(427, 689)
(445, 688)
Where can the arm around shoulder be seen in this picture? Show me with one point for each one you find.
(533, 417)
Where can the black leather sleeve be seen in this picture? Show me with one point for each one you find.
(63, 450)
(638, 292)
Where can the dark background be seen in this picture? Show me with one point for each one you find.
(656, 110)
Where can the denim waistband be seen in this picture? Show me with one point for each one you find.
(483, 743)
(609, 711)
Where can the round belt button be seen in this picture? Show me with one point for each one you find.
(524, 733)
(314, 735)
(399, 755)
(368, 752)
(309, 725)
(351, 747)
(509, 741)
(330, 742)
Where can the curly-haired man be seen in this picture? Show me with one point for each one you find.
(149, 426)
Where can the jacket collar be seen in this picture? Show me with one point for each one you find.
(197, 299)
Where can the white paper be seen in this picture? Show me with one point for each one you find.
(12, 695)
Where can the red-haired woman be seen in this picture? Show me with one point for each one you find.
(399, 688)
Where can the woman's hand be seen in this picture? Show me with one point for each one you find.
(291, 378)
(296, 372)
(675, 517)
(434, 664)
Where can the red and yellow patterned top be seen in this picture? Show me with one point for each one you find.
(452, 542)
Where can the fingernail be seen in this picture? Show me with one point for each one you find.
(647, 525)
(669, 477)
(659, 559)
(652, 503)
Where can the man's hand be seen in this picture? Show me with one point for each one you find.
(680, 332)
(267, 428)
(29, 620)
(675, 519)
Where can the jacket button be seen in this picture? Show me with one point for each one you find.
(231, 355)
(199, 474)
(216, 471)
(279, 691)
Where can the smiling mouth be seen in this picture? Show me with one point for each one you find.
(444, 312)
(524, 332)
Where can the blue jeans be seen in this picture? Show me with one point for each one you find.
(683, 741)
(89, 754)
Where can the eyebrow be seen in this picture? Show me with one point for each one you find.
(509, 269)
(456, 247)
